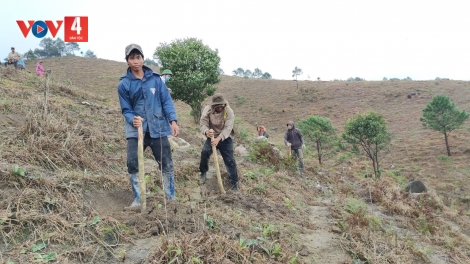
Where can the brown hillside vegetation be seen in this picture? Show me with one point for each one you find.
(64, 183)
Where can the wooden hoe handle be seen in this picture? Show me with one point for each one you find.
(216, 162)
(140, 155)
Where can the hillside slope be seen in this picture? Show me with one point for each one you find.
(415, 150)
(73, 155)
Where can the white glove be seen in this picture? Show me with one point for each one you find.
(303, 146)
(288, 144)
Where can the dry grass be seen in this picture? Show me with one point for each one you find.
(398, 227)
(64, 135)
(47, 214)
(205, 247)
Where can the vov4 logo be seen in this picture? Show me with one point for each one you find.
(75, 28)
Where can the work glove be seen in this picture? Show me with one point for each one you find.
(303, 146)
(288, 144)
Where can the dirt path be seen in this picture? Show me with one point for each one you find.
(135, 253)
(322, 244)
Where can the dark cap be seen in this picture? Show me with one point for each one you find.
(131, 47)
(12, 47)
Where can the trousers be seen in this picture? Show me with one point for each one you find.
(161, 150)
(226, 150)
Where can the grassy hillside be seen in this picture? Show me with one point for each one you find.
(64, 182)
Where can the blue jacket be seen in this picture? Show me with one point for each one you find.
(148, 98)
(21, 62)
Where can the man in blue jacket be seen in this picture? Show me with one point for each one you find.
(145, 101)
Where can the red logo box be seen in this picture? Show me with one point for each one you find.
(76, 29)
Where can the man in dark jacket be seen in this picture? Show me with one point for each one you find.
(145, 101)
(293, 138)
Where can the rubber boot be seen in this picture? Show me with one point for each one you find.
(202, 178)
(135, 189)
(235, 188)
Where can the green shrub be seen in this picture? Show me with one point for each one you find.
(263, 153)
(243, 134)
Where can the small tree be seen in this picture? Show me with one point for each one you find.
(30, 55)
(442, 115)
(150, 62)
(257, 73)
(296, 72)
(247, 74)
(71, 47)
(90, 54)
(39, 53)
(195, 71)
(370, 132)
(60, 46)
(49, 48)
(238, 72)
(320, 131)
(266, 75)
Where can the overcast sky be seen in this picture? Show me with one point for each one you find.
(330, 39)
